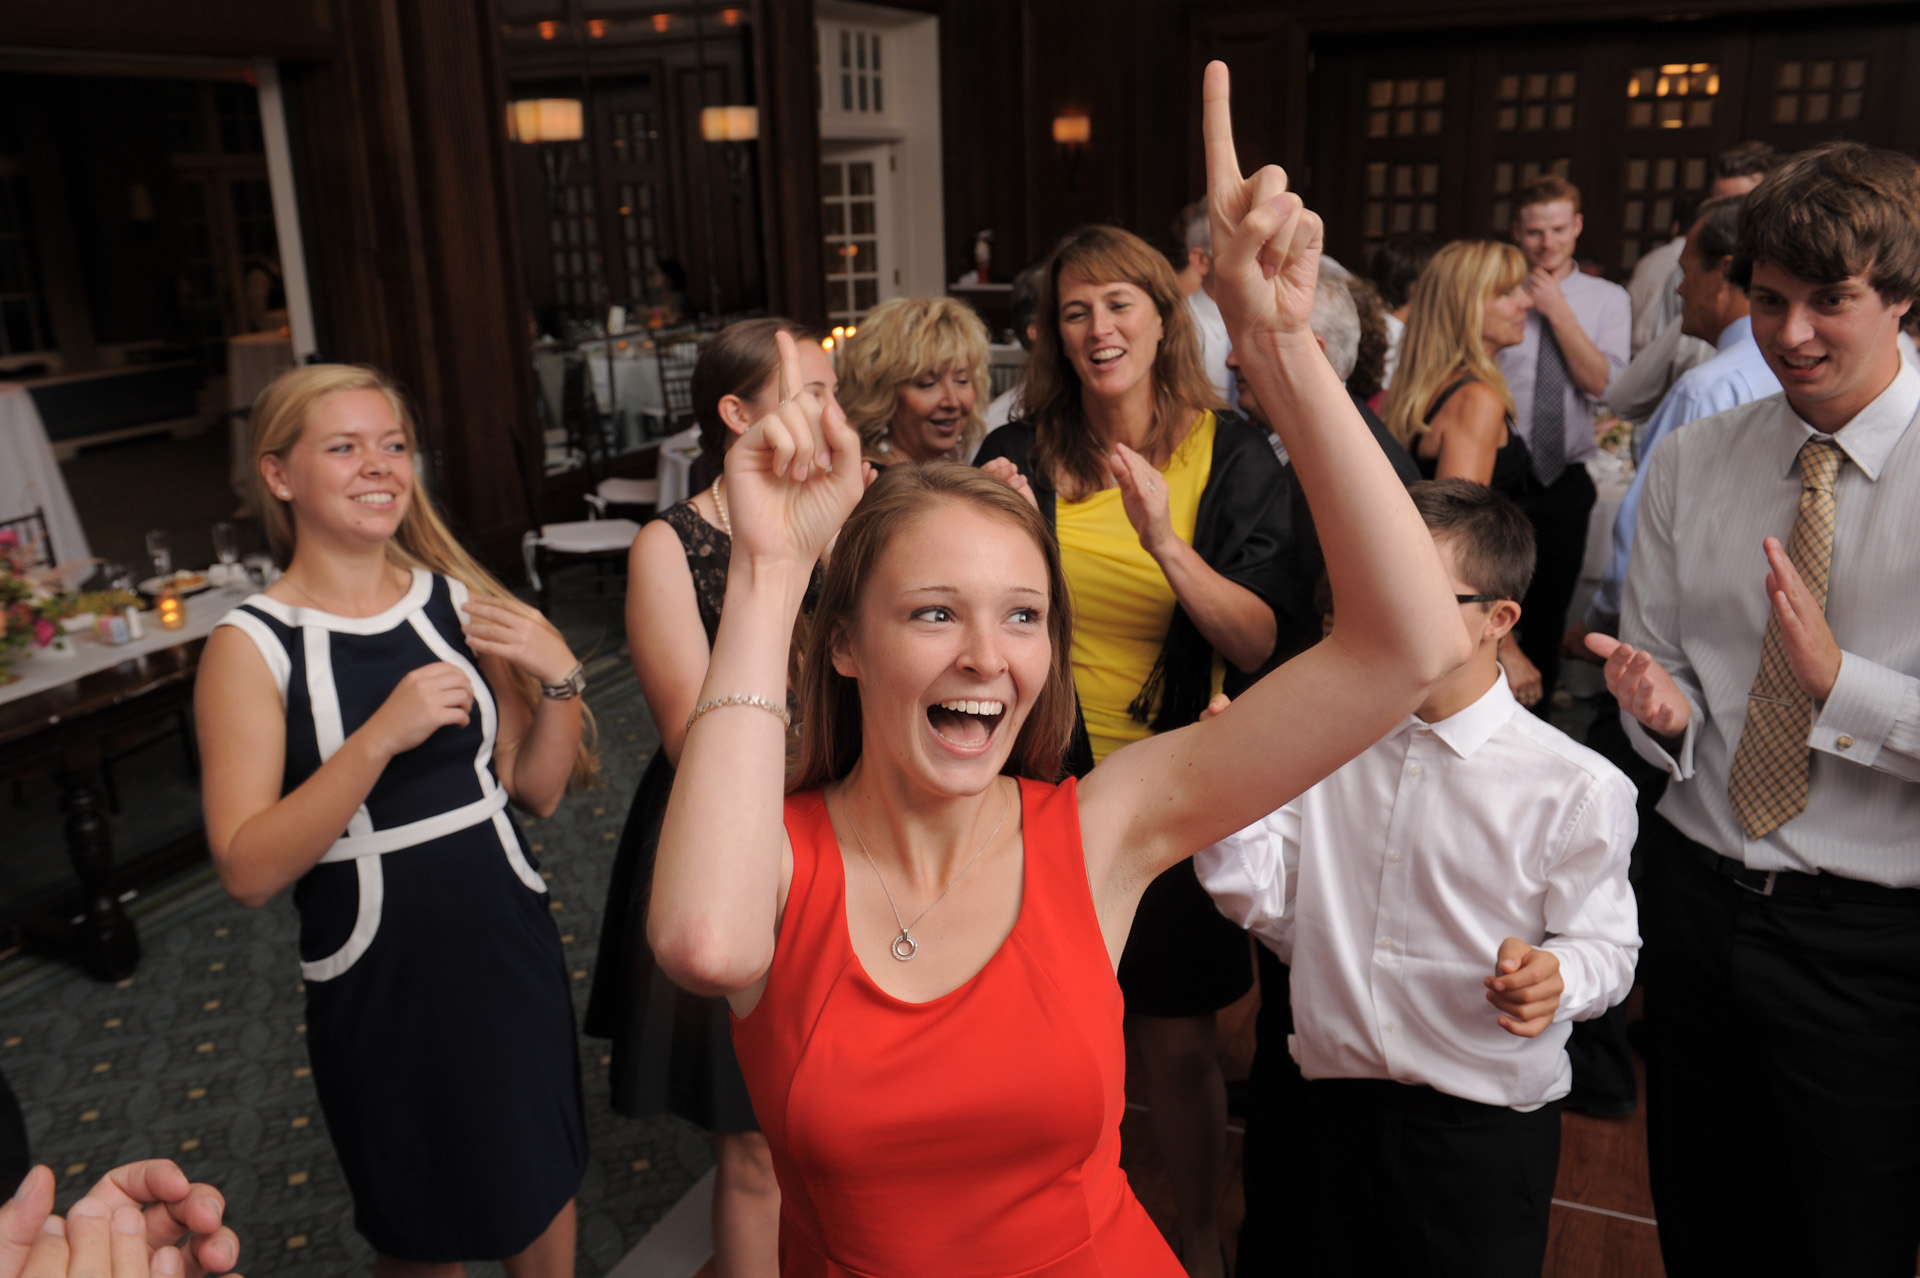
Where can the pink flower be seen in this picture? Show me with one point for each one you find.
(9, 537)
(44, 631)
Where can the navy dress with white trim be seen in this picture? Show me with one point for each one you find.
(439, 1020)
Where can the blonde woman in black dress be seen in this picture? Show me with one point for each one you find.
(672, 1052)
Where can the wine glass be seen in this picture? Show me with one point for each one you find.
(226, 548)
(160, 552)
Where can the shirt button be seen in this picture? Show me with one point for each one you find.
(1395, 857)
(1388, 1027)
(1386, 942)
(1845, 743)
(1415, 770)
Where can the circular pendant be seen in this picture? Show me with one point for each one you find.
(904, 946)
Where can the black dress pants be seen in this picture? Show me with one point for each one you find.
(1783, 1071)
(1559, 517)
(1271, 1171)
(1407, 1182)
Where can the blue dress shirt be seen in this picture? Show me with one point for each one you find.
(1736, 375)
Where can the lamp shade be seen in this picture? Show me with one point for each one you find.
(730, 123)
(545, 120)
(1072, 129)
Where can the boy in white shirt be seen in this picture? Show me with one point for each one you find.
(1448, 902)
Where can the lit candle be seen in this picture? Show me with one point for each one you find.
(173, 612)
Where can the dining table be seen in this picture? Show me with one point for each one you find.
(59, 717)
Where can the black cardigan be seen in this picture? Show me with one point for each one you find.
(1244, 532)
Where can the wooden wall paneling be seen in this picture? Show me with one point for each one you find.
(703, 200)
(1073, 51)
(1266, 52)
(985, 138)
(221, 28)
(787, 90)
(1780, 113)
(413, 240)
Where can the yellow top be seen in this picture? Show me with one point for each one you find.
(1122, 602)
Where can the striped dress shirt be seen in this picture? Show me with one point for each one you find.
(1696, 598)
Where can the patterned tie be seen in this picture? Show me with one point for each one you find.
(1548, 442)
(1771, 766)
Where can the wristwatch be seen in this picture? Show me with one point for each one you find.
(568, 688)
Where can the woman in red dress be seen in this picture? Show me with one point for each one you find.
(918, 934)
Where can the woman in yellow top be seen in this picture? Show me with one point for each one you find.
(1173, 521)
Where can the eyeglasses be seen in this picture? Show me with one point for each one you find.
(1466, 599)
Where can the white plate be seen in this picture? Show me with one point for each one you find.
(181, 585)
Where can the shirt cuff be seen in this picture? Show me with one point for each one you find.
(1648, 746)
(1860, 712)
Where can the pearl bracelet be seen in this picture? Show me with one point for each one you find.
(739, 699)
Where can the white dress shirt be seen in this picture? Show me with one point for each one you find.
(1605, 317)
(1390, 885)
(1396, 333)
(1637, 391)
(1696, 598)
(1652, 289)
(1737, 374)
(1214, 344)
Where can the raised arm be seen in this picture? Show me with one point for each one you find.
(1397, 628)
(723, 862)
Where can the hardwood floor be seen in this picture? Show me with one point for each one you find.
(1602, 1223)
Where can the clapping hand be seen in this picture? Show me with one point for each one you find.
(144, 1219)
(1266, 243)
(519, 636)
(1143, 494)
(1525, 986)
(1811, 649)
(1003, 469)
(1643, 687)
(795, 476)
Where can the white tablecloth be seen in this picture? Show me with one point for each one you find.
(253, 360)
(678, 452)
(40, 672)
(29, 475)
(633, 383)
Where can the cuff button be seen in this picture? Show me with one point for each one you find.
(1845, 743)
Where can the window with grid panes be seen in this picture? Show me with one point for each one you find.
(1406, 117)
(1509, 176)
(1813, 92)
(573, 236)
(851, 79)
(1535, 101)
(850, 222)
(1652, 185)
(1673, 95)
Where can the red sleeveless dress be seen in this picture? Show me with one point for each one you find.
(977, 1135)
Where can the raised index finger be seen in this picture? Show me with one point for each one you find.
(790, 374)
(1216, 127)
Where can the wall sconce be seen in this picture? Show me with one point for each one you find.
(1072, 131)
(546, 120)
(730, 123)
(735, 126)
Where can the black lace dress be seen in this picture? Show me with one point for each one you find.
(1512, 465)
(672, 1051)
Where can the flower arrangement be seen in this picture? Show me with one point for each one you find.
(30, 613)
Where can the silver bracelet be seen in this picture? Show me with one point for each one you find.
(739, 699)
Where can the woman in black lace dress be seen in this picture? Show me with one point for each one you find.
(672, 1051)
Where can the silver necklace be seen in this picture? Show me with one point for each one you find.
(904, 947)
(720, 504)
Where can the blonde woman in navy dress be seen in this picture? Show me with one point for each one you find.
(365, 723)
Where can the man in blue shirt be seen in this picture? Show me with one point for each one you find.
(1714, 309)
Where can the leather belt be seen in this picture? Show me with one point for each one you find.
(1822, 887)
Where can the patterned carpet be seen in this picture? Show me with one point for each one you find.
(200, 1055)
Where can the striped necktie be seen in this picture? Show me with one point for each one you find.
(1772, 765)
(1548, 440)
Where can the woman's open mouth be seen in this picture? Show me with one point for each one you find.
(966, 723)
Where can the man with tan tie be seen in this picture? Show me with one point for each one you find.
(1771, 665)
